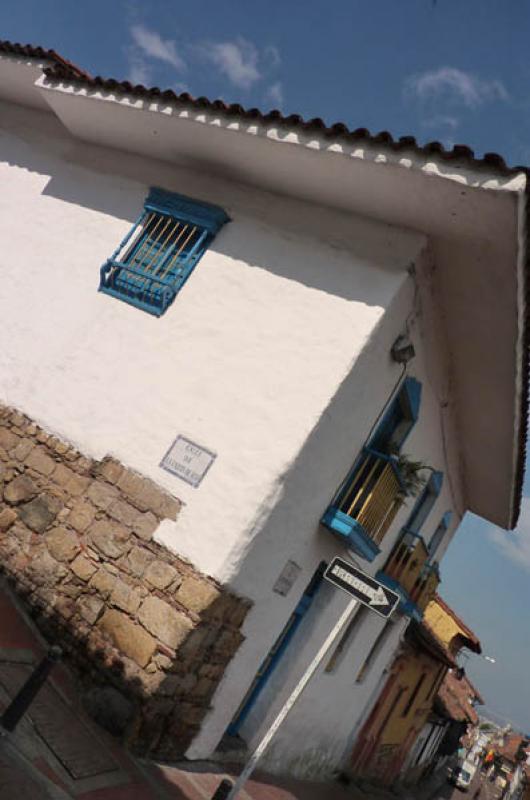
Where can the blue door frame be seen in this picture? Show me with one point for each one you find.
(277, 651)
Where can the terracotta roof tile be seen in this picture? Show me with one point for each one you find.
(30, 51)
(509, 750)
(454, 696)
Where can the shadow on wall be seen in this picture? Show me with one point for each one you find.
(292, 531)
(271, 234)
(149, 637)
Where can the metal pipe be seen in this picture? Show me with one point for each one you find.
(27, 693)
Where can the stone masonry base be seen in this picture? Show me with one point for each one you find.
(148, 636)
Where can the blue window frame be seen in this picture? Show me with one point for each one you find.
(159, 253)
(439, 534)
(365, 504)
(405, 550)
(399, 419)
(424, 504)
(277, 651)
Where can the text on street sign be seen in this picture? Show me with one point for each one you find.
(362, 586)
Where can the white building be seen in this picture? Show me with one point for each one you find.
(320, 248)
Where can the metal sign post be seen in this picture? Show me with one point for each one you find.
(363, 589)
(291, 700)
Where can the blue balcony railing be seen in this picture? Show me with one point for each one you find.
(368, 504)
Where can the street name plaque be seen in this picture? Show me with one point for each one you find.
(187, 460)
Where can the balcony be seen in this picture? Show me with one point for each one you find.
(409, 573)
(368, 504)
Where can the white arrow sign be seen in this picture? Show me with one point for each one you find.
(368, 590)
(377, 596)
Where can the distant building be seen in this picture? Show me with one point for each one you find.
(233, 344)
(426, 701)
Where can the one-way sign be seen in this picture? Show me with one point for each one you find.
(369, 591)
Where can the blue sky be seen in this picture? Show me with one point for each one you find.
(453, 70)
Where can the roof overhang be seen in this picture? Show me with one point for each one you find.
(474, 214)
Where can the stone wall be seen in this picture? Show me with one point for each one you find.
(148, 636)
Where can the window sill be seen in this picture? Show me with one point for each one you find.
(406, 605)
(351, 533)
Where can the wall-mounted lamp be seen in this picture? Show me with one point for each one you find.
(402, 350)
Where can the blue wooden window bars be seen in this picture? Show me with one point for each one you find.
(159, 253)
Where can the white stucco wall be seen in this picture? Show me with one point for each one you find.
(246, 360)
(275, 356)
(319, 732)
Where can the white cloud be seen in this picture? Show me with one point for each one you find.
(151, 45)
(516, 545)
(237, 60)
(456, 85)
(274, 95)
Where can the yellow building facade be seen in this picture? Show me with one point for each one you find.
(406, 700)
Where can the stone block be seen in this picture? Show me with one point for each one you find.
(204, 688)
(123, 512)
(197, 595)
(65, 606)
(63, 544)
(103, 581)
(138, 560)
(40, 462)
(160, 574)
(83, 567)
(77, 485)
(90, 608)
(60, 448)
(109, 538)
(39, 513)
(7, 518)
(22, 536)
(44, 569)
(84, 465)
(162, 661)
(18, 419)
(62, 475)
(125, 597)
(110, 469)
(102, 494)
(145, 525)
(20, 490)
(129, 638)
(178, 684)
(157, 500)
(81, 516)
(23, 449)
(131, 484)
(8, 440)
(166, 623)
(73, 589)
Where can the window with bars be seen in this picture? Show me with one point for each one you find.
(157, 256)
